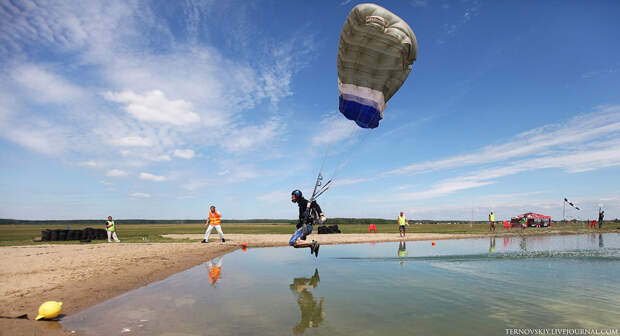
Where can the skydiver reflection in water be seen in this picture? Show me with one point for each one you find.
(214, 266)
(523, 244)
(311, 312)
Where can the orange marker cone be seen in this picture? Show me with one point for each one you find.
(433, 243)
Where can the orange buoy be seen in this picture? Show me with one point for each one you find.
(433, 243)
(244, 244)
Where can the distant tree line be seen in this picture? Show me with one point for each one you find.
(330, 221)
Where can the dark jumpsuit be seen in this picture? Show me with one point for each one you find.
(303, 204)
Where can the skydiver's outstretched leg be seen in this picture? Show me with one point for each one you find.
(299, 235)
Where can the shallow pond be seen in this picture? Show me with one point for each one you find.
(459, 287)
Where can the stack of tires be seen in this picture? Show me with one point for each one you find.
(329, 229)
(87, 234)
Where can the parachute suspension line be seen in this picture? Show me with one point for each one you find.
(319, 178)
(341, 163)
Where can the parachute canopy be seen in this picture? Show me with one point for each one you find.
(375, 55)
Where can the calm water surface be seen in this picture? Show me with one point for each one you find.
(459, 287)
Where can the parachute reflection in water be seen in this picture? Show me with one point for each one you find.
(375, 55)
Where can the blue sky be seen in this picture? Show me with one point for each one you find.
(140, 109)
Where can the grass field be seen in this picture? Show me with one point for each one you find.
(24, 234)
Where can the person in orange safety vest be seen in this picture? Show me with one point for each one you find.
(214, 221)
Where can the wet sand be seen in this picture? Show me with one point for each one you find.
(83, 275)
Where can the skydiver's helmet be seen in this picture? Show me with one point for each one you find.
(297, 194)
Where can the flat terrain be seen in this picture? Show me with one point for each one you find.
(83, 274)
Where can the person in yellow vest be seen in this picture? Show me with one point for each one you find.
(111, 229)
(214, 221)
(402, 221)
(492, 221)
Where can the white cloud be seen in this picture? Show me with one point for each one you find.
(251, 137)
(154, 106)
(132, 141)
(184, 153)
(44, 85)
(89, 163)
(578, 130)
(162, 157)
(151, 177)
(140, 195)
(116, 173)
(573, 162)
(275, 196)
(333, 128)
(36, 134)
(348, 181)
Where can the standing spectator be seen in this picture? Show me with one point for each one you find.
(402, 221)
(492, 222)
(110, 227)
(601, 215)
(214, 221)
(523, 222)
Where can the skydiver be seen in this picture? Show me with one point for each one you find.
(306, 219)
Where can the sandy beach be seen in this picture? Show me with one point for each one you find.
(83, 275)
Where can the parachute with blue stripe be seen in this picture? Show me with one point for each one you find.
(375, 55)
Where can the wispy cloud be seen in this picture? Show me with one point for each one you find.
(116, 90)
(276, 196)
(580, 130)
(140, 195)
(131, 141)
(184, 153)
(116, 173)
(333, 128)
(151, 177)
(46, 86)
(419, 3)
(471, 9)
(253, 136)
(37, 134)
(600, 72)
(89, 163)
(601, 156)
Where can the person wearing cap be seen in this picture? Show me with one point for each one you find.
(110, 227)
(213, 221)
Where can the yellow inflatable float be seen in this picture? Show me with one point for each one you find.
(49, 310)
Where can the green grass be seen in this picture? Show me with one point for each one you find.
(24, 234)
